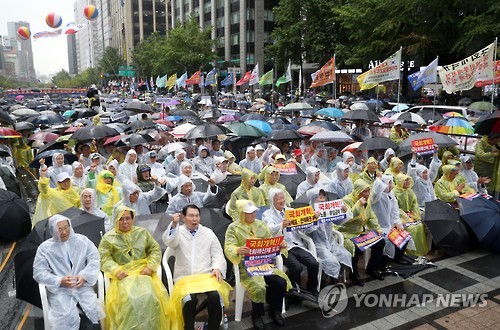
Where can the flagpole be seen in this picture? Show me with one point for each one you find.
(291, 80)
(435, 93)
(399, 79)
(494, 63)
(334, 78)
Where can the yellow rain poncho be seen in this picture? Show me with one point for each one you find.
(232, 168)
(246, 191)
(363, 220)
(366, 176)
(446, 189)
(398, 137)
(267, 185)
(487, 164)
(410, 213)
(445, 157)
(53, 200)
(392, 170)
(236, 236)
(136, 301)
(108, 195)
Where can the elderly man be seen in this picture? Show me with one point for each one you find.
(174, 166)
(199, 268)
(68, 265)
(187, 195)
(251, 161)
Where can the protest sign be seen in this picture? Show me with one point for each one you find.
(287, 168)
(424, 146)
(260, 260)
(330, 211)
(399, 238)
(363, 242)
(300, 218)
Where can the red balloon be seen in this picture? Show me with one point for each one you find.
(23, 33)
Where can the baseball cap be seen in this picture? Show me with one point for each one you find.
(152, 154)
(280, 156)
(62, 176)
(398, 122)
(250, 207)
(96, 156)
(297, 152)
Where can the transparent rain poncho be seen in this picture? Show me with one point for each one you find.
(93, 209)
(136, 301)
(55, 259)
(245, 191)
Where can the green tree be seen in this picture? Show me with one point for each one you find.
(62, 79)
(110, 62)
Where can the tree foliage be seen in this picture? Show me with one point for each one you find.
(85, 79)
(110, 62)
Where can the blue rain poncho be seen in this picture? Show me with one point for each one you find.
(136, 301)
(55, 259)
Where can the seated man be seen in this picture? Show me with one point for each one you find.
(186, 195)
(246, 190)
(68, 266)
(199, 268)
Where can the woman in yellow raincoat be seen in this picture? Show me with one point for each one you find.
(246, 190)
(449, 186)
(232, 167)
(409, 212)
(445, 157)
(369, 174)
(271, 288)
(271, 178)
(130, 256)
(107, 188)
(395, 167)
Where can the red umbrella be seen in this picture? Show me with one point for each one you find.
(44, 136)
(164, 122)
(7, 132)
(113, 139)
(72, 129)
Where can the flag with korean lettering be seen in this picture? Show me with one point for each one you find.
(326, 75)
(385, 71)
(267, 78)
(462, 75)
(331, 211)
(228, 81)
(300, 218)
(254, 76)
(413, 80)
(260, 260)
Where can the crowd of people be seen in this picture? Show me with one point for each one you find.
(377, 193)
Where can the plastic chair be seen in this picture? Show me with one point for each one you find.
(46, 305)
(240, 290)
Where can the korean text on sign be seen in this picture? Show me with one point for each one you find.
(300, 218)
(424, 146)
(330, 211)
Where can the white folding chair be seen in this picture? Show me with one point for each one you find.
(240, 290)
(46, 305)
(312, 248)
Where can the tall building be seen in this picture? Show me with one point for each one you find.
(72, 55)
(2, 58)
(25, 69)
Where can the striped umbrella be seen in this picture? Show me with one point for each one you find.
(453, 125)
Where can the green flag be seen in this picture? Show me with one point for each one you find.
(286, 77)
(267, 78)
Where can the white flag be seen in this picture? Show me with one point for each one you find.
(385, 71)
(463, 74)
(254, 77)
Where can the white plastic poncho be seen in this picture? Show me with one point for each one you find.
(197, 198)
(253, 165)
(217, 175)
(55, 169)
(348, 158)
(424, 189)
(330, 253)
(384, 163)
(204, 165)
(341, 184)
(174, 166)
(319, 162)
(127, 170)
(141, 207)
(78, 182)
(309, 182)
(471, 176)
(94, 209)
(55, 259)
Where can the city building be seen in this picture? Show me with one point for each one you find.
(18, 53)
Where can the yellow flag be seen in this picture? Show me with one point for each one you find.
(171, 82)
(361, 79)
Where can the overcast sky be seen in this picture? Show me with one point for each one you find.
(49, 54)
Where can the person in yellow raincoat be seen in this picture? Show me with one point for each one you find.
(271, 177)
(487, 161)
(398, 134)
(54, 200)
(448, 187)
(130, 256)
(363, 220)
(232, 167)
(395, 167)
(246, 191)
(271, 288)
(369, 174)
(409, 213)
(108, 190)
(445, 158)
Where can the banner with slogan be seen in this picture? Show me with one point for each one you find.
(47, 34)
(363, 242)
(424, 146)
(326, 75)
(260, 260)
(361, 82)
(385, 71)
(287, 168)
(172, 81)
(300, 218)
(462, 75)
(399, 238)
(330, 211)
(244, 79)
(482, 83)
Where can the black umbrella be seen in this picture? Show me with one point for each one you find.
(292, 181)
(83, 113)
(324, 124)
(252, 116)
(278, 120)
(378, 143)
(15, 222)
(134, 140)
(184, 113)
(94, 132)
(141, 124)
(206, 130)
(138, 107)
(47, 118)
(23, 125)
(226, 187)
(5, 151)
(69, 158)
(10, 180)
(284, 135)
(365, 115)
(488, 123)
(442, 140)
(82, 222)
(430, 115)
(214, 219)
(4, 116)
(302, 200)
(447, 229)
(52, 145)
(483, 217)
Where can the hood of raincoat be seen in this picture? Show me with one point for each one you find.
(200, 149)
(118, 214)
(445, 155)
(465, 159)
(182, 180)
(219, 160)
(273, 192)
(420, 169)
(346, 155)
(102, 186)
(228, 155)
(179, 151)
(250, 148)
(241, 205)
(54, 163)
(447, 171)
(269, 170)
(53, 221)
(76, 165)
(93, 199)
(142, 168)
(360, 185)
(128, 187)
(389, 152)
(127, 156)
(395, 161)
(246, 174)
(386, 179)
(400, 180)
(310, 173)
(339, 168)
(313, 194)
(115, 165)
(183, 165)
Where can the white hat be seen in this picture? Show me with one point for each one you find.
(259, 147)
(218, 159)
(62, 176)
(398, 122)
(250, 207)
(280, 156)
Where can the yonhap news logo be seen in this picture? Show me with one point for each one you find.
(332, 300)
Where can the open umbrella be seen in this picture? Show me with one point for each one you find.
(351, 147)
(69, 158)
(297, 106)
(252, 116)
(330, 112)
(25, 112)
(15, 221)
(409, 116)
(332, 136)
(141, 124)
(279, 120)
(400, 107)
(488, 123)
(430, 115)
(324, 124)
(4, 116)
(448, 231)
(94, 132)
(134, 139)
(284, 135)
(138, 106)
(47, 118)
(453, 125)
(43, 136)
(360, 106)
(482, 106)
(206, 130)
(227, 118)
(378, 143)
(442, 140)
(181, 130)
(9, 133)
(483, 217)
(23, 125)
(82, 222)
(450, 114)
(261, 125)
(366, 115)
(242, 129)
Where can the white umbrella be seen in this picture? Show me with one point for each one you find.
(297, 106)
(409, 116)
(400, 107)
(162, 154)
(181, 130)
(359, 106)
(332, 136)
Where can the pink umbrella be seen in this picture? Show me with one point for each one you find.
(19, 97)
(227, 118)
(351, 147)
